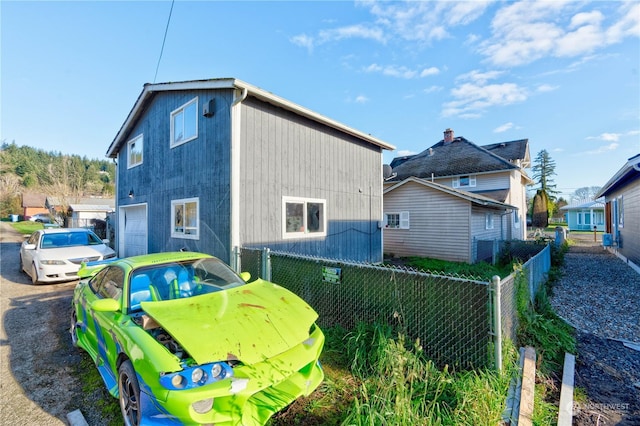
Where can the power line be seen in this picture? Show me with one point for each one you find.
(166, 30)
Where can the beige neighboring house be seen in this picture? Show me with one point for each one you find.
(465, 194)
(414, 209)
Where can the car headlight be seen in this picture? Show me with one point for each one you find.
(109, 256)
(196, 376)
(52, 262)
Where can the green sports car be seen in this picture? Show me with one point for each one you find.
(179, 338)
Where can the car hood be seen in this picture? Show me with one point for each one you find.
(74, 252)
(249, 323)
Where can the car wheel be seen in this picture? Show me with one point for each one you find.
(34, 274)
(73, 329)
(129, 394)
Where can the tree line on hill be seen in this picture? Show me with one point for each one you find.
(66, 177)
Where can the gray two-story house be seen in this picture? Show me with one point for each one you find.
(211, 165)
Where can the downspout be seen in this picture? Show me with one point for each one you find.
(234, 195)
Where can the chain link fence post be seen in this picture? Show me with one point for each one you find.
(497, 321)
(266, 264)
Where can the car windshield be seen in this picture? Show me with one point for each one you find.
(68, 239)
(180, 280)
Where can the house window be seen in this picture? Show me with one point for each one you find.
(184, 123)
(599, 218)
(304, 217)
(397, 220)
(620, 212)
(468, 181)
(488, 221)
(134, 151)
(185, 218)
(516, 219)
(579, 218)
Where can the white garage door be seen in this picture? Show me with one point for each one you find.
(133, 230)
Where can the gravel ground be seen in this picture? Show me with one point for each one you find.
(598, 295)
(39, 368)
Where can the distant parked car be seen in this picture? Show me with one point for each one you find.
(41, 218)
(180, 338)
(55, 254)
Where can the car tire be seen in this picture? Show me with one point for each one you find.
(73, 329)
(34, 274)
(129, 394)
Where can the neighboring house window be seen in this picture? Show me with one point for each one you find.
(468, 181)
(587, 218)
(134, 151)
(184, 123)
(579, 218)
(185, 218)
(599, 218)
(488, 221)
(304, 217)
(397, 220)
(516, 219)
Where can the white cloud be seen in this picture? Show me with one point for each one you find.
(429, 71)
(605, 148)
(352, 31)
(473, 97)
(404, 152)
(433, 89)
(607, 137)
(361, 99)
(401, 71)
(546, 88)
(526, 31)
(303, 40)
(503, 128)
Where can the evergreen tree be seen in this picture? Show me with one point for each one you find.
(543, 169)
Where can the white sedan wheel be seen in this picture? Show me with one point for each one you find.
(34, 274)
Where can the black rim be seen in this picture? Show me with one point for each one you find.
(128, 400)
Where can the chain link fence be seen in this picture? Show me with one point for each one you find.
(453, 317)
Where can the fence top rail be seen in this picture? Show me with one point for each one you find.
(378, 267)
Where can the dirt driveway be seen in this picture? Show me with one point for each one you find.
(39, 382)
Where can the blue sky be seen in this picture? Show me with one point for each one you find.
(565, 75)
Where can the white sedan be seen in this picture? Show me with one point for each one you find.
(53, 255)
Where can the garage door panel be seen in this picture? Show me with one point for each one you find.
(133, 238)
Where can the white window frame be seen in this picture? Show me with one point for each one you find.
(190, 231)
(488, 221)
(472, 181)
(174, 143)
(516, 219)
(620, 211)
(303, 232)
(132, 156)
(402, 223)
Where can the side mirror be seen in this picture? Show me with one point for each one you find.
(246, 276)
(29, 246)
(106, 241)
(105, 305)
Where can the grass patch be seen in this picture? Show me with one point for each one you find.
(26, 227)
(481, 271)
(374, 377)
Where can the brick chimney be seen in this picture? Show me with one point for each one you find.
(448, 136)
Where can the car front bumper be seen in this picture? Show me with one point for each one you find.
(252, 395)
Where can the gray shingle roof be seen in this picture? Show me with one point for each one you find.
(460, 157)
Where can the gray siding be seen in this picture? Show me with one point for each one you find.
(439, 224)
(630, 232)
(199, 168)
(285, 155)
